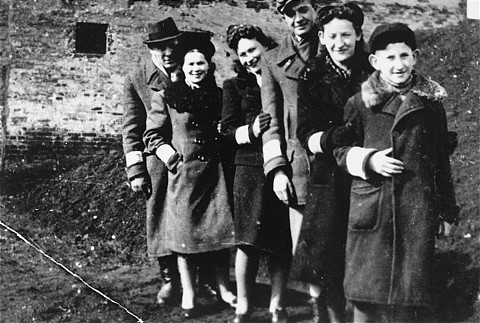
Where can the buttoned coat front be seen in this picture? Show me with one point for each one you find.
(393, 221)
(139, 87)
(199, 217)
(280, 75)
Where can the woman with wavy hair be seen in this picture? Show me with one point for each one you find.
(327, 83)
(261, 220)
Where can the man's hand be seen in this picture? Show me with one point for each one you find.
(261, 124)
(141, 184)
(384, 165)
(282, 186)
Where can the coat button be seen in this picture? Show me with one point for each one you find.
(395, 134)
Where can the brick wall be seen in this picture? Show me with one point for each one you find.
(4, 72)
(61, 103)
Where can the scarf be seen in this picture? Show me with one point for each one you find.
(174, 77)
(346, 74)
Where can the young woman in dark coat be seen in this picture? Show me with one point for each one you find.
(182, 132)
(261, 220)
(326, 85)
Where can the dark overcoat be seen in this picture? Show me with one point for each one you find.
(199, 217)
(280, 74)
(322, 94)
(393, 221)
(139, 86)
(261, 220)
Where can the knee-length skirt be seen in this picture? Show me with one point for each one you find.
(260, 218)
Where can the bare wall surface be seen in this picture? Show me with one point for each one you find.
(63, 103)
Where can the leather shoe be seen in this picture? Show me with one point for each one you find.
(242, 318)
(206, 290)
(230, 300)
(279, 316)
(168, 294)
(189, 313)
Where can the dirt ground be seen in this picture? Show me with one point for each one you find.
(82, 213)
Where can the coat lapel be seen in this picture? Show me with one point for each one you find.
(156, 79)
(410, 104)
(289, 60)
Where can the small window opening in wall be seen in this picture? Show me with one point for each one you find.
(91, 38)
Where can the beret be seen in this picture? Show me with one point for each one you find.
(391, 33)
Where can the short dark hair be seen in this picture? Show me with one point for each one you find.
(392, 33)
(237, 32)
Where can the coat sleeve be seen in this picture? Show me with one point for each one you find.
(308, 115)
(445, 193)
(133, 126)
(353, 159)
(273, 139)
(159, 127)
(232, 115)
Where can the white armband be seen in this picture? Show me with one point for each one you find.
(271, 150)
(241, 135)
(164, 152)
(314, 143)
(134, 157)
(356, 160)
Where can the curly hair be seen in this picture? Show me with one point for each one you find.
(237, 32)
(348, 11)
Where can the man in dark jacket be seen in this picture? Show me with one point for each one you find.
(145, 171)
(285, 160)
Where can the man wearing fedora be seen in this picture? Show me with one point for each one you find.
(146, 173)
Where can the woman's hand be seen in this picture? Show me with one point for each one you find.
(261, 124)
(384, 165)
(282, 186)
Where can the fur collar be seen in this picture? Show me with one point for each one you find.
(375, 91)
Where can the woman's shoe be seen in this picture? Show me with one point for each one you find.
(189, 313)
(229, 300)
(168, 294)
(242, 318)
(279, 316)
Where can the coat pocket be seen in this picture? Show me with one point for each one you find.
(364, 208)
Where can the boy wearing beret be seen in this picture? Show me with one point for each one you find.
(402, 185)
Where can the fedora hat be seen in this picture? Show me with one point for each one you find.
(161, 31)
